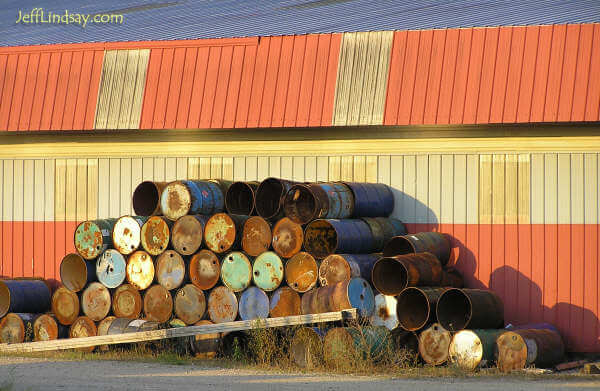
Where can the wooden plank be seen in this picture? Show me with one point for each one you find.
(17, 225)
(27, 218)
(7, 217)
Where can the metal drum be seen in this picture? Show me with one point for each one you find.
(256, 236)
(239, 198)
(452, 278)
(24, 296)
(146, 198)
(334, 269)
(301, 272)
(180, 198)
(92, 238)
(407, 340)
(158, 304)
(76, 272)
(306, 202)
(353, 293)
(253, 304)
(126, 233)
(340, 200)
(362, 264)
(383, 230)
(187, 233)
(471, 349)
(127, 302)
(542, 348)
(110, 268)
(103, 327)
(222, 305)
(391, 275)
(306, 347)
(155, 235)
(190, 304)
(17, 328)
(385, 312)
(371, 199)
(287, 238)
(346, 343)
(205, 345)
(236, 271)
(434, 343)
(223, 232)
(269, 198)
(140, 270)
(65, 306)
(45, 328)
(126, 325)
(267, 271)
(430, 242)
(205, 269)
(417, 307)
(170, 270)
(285, 302)
(95, 301)
(325, 237)
(459, 309)
(81, 328)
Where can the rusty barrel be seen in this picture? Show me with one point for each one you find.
(384, 313)
(223, 232)
(269, 197)
(306, 348)
(190, 304)
(239, 199)
(256, 236)
(330, 236)
(180, 198)
(95, 301)
(76, 272)
(417, 307)
(407, 340)
(127, 302)
(140, 270)
(542, 348)
(170, 270)
(204, 269)
(452, 278)
(187, 233)
(434, 343)
(146, 198)
(301, 272)
(362, 264)
(253, 304)
(287, 238)
(222, 305)
(267, 271)
(205, 345)
(81, 328)
(335, 268)
(127, 325)
(155, 235)
(45, 328)
(471, 349)
(65, 306)
(103, 327)
(24, 296)
(431, 242)
(383, 230)
(353, 293)
(348, 343)
(391, 275)
(158, 304)
(306, 202)
(92, 238)
(110, 268)
(371, 199)
(285, 302)
(236, 271)
(17, 327)
(459, 309)
(126, 233)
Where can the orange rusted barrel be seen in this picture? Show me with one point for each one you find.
(146, 198)
(542, 348)
(103, 327)
(17, 328)
(126, 233)
(223, 232)
(158, 304)
(222, 305)
(170, 270)
(180, 198)
(140, 270)
(390, 275)
(256, 236)
(155, 235)
(269, 197)
(416, 307)
(335, 268)
(83, 327)
(287, 238)
(205, 345)
(187, 233)
(190, 304)
(285, 302)
(204, 269)
(452, 278)
(76, 272)
(127, 302)
(239, 198)
(95, 301)
(301, 272)
(434, 343)
(353, 293)
(309, 201)
(45, 328)
(459, 309)
(65, 306)
(430, 242)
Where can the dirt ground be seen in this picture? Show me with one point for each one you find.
(39, 374)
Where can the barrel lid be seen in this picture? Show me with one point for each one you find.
(140, 270)
(466, 350)
(256, 236)
(89, 239)
(74, 272)
(45, 328)
(320, 238)
(65, 306)
(104, 325)
(126, 234)
(158, 304)
(175, 200)
(513, 351)
(222, 305)
(12, 329)
(127, 302)
(287, 238)
(253, 304)
(434, 343)
(190, 304)
(236, 271)
(205, 269)
(170, 269)
(83, 327)
(361, 296)
(301, 272)
(267, 271)
(186, 234)
(220, 233)
(155, 235)
(285, 302)
(384, 313)
(95, 301)
(333, 269)
(110, 268)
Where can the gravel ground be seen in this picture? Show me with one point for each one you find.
(39, 374)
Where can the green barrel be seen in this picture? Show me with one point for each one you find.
(344, 343)
(93, 237)
(267, 271)
(236, 271)
(470, 349)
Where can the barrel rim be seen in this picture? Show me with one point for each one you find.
(84, 306)
(313, 261)
(187, 204)
(260, 259)
(157, 186)
(447, 335)
(247, 261)
(182, 292)
(264, 298)
(65, 281)
(120, 257)
(143, 242)
(245, 185)
(452, 352)
(380, 261)
(75, 242)
(61, 290)
(447, 293)
(129, 289)
(162, 258)
(113, 233)
(37, 323)
(215, 261)
(261, 189)
(195, 220)
(229, 221)
(4, 299)
(288, 199)
(423, 296)
(297, 229)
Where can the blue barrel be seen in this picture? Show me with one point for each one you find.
(341, 200)
(371, 199)
(383, 230)
(111, 268)
(24, 296)
(361, 297)
(329, 236)
(533, 326)
(363, 263)
(207, 197)
(254, 304)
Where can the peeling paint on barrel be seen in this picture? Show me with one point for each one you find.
(301, 272)
(65, 306)
(175, 200)
(267, 271)
(434, 343)
(190, 304)
(334, 269)
(45, 328)
(170, 270)
(187, 233)
(385, 312)
(205, 269)
(287, 238)
(256, 236)
(91, 238)
(158, 304)
(83, 327)
(155, 235)
(236, 271)
(127, 302)
(96, 301)
(285, 302)
(140, 270)
(13, 329)
(126, 233)
(222, 305)
(110, 268)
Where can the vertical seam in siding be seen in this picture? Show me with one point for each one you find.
(560, 84)
(454, 78)
(251, 85)
(275, 89)
(55, 91)
(537, 53)
(312, 89)
(589, 79)
(325, 82)
(480, 74)
(462, 115)
(23, 94)
(437, 105)
(236, 101)
(512, 34)
(412, 99)
(226, 92)
(546, 87)
(76, 92)
(262, 94)
(427, 88)
(520, 82)
(162, 56)
(180, 86)
(575, 77)
(287, 90)
(187, 119)
(493, 78)
(28, 116)
(401, 79)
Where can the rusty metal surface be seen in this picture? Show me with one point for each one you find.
(542, 348)
(12, 329)
(65, 306)
(417, 307)
(190, 304)
(385, 312)
(127, 302)
(452, 278)
(306, 348)
(146, 198)
(285, 302)
(205, 345)
(432, 242)
(187, 233)
(267, 271)
(126, 233)
(408, 340)
(170, 270)
(92, 238)
(222, 305)
(158, 304)
(391, 275)
(269, 197)
(239, 198)
(256, 236)
(175, 200)
(223, 232)
(45, 328)
(305, 202)
(301, 272)
(340, 200)
(512, 352)
(155, 235)
(458, 309)
(353, 293)
(287, 238)
(140, 270)
(76, 272)
(236, 271)
(470, 349)
(329, 236)
(83, 327)
(103, 327)
(110, 268)
(205, 269)
(333, 269)
(434, 343)
(96, 301)
(24, 296)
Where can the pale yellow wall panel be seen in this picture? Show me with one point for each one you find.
(524, 189)
(564, 188)
(577, 189)
(387, 38)
(204, 168)
(170, 169)
(138, 95)
(287, 167)
(357, 75)
(310, 169)
(148, 169)
(371, 169)
(344, 79)
(322, 168)
(447, 190)
(114, 185)
(239, 169)
(92, 187)
(60, 187)
(359, 169)
(298, 168)
(130, 76)
(7, 201)
(227, 168)
(551, 188)
(1, 191)
(216, 168)
(275, 166)
(116, 106)
(28, 190)
(126, 188)
(251, 168)
(81, 189)
(18, 190)
(409, 186)
(335, 168)
(71, 190)
(591, 188)
(49, 185)
(104, 188)
(485, 189)
(105, 90)
(370, 76)
(459, 206)
(472, 195)
(347, 168)
(383, 169)
(498, 189)
(394, 165)
(136, 174)
(159, 169)
(263, 168)
(192, 169)
(434, 189)
(511, 189)
(422, 179)
(182, 166)
(537, 188)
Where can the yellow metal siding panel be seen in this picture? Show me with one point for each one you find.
(251, 168)
(263, 167)
(1, 200)
(39, 191)
(71, 190)
(138, 94)
(49, 208)
(60, 188)
(577, 189)
(344, 79)
(81, 190)
(383, 169)
(182, 165)
(409, 186)
(591, 188)
(17, 189)
(28, 190)
(511, 189)
(116, 106)
(537, 188)
(485, 189)
(524, 189)
(227, 168)
(216, 168)
(459, 206)
(564, 188)
(310, 169)
(392, 173)
(274, 166)
(170, 169)
(114, 187)
(105, 90)
(239, 169)
(204, 168)
(159, 169)
(335, 168)
(125, 188)
(287, 168)
(359, 169)
(434, 182)
(7, 202)
(357, 78)
(498, 189)
(347, 168)
(447, 191)
(473, 189)
(92, 187)
(298, 168)
(387, 38)
(148, 169)
(371, 169)
(550, 188)
(322, 168)
(422, 181)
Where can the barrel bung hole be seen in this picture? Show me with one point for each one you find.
(230, 258)
(214, 262)
(97, 247)
(362, 297)
(184, 249)
(256, 273)
(171, 254)
(295, 285)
